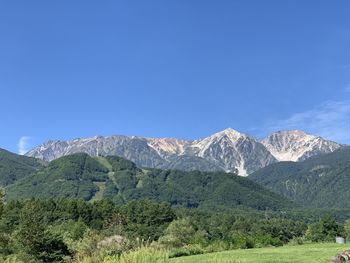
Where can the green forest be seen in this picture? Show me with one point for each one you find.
(83, 177)
(72, 230)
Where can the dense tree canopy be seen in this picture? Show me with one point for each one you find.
(81, 176)
(318, 182)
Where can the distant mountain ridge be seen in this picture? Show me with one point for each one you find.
(228, 150)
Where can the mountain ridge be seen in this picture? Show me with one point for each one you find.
(227, 150)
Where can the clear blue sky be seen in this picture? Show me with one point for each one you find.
(177, 68)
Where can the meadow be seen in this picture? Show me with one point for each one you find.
(309, 253)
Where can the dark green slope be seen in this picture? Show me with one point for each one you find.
(81, 176)
(191, 163)
(14, 167)
(321, 182)
(70, 176)
(196, 189)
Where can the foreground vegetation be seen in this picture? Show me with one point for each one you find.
(69, 230)
(310, 253)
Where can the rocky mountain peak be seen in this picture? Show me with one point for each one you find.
(234, 151)
(297, 145)
(227, 150)
(230, 133)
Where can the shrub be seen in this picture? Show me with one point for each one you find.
(298, 241)
(325, 230)
(20, 258)
(70, 229)
(188, 250)
(217, 245)
(85, 248)
(347, 229)
(264, 240)
(178, 233)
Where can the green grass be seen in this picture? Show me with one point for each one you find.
(310, 253)
(104, 162)
(99, 194)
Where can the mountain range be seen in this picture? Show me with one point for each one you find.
(314, 179)
(228, 150)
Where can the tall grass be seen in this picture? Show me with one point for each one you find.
(141, 255)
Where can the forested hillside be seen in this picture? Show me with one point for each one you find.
(322, 181)
(91, 179)
(14, 167)
(74, 231)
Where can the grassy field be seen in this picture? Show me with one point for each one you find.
(310, 253)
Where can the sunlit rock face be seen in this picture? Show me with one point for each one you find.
(228, 150)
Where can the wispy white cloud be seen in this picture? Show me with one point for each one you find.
(23, 144)
(330, 120)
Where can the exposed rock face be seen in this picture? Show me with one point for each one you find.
(233, 151)
(228, 150)
(297, 145)
(136, 149)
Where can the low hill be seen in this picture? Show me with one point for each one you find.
(320, 182)
(14, 166)
(81, 176)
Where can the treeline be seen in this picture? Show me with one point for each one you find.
(68, 230)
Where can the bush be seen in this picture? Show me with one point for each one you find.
(324, 231)
(217, 245)
(264, 240)
(85, 248)
(70, 229)
(20, 258)
(243, 241)
(298, 241)
(347, 229)
(178, 234)
(188, 250)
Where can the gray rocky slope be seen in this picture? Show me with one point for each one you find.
(227, 150)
